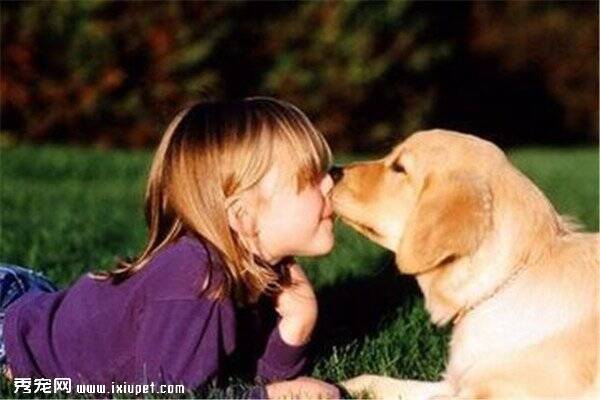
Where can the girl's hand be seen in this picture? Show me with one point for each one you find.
(297, 306)
(302, 388)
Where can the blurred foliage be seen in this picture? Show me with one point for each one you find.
(368, 73)
(561, 44)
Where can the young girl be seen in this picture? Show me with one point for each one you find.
(235, 189)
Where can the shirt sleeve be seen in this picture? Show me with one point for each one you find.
(280, 361)
(184, 341)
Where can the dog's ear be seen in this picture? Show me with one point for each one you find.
(451, 218)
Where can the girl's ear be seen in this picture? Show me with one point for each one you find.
(239, 217)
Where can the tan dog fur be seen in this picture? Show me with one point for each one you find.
(492, 256)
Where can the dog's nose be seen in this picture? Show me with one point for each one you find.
(337, 173)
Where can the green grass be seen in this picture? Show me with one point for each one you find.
(65, 211)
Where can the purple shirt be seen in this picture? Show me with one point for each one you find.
(152, 327)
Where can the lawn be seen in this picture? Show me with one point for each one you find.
(65, 211)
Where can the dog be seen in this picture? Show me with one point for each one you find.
(492, 256)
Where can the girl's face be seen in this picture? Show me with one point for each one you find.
(292, 223)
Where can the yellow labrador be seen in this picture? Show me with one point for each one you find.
(491, 255)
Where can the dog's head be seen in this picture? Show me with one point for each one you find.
(429, 200)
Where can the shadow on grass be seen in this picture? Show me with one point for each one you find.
(357, 307)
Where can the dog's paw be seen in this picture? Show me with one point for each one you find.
(383, 387)
(361, 387)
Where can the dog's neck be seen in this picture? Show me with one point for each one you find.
(467, 308)
(465, 281)
(537, 234)
(453, 293)
(455, 290)
(520, 237)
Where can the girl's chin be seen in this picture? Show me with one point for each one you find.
(321, 248)
(327, 244)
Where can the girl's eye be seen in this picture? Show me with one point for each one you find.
(397, 167)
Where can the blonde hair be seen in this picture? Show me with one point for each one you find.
(214, 150)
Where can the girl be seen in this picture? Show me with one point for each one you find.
(235, 189)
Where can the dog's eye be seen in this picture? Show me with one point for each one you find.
(397, 167)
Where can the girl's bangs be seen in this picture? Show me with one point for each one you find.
(303, 148)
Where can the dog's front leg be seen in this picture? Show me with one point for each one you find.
(383, 387)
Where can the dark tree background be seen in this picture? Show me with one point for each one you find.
(367, 73)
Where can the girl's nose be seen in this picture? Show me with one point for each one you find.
(326, 184)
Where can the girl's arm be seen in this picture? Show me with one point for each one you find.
(297, 307)
(285, 354)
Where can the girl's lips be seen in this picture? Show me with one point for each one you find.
(328, 212)
(329, 215)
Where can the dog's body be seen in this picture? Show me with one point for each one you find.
(491, 256)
